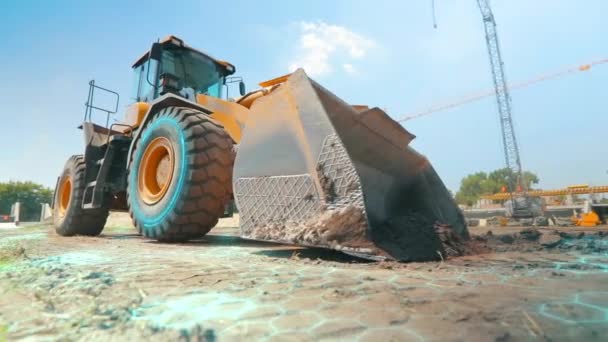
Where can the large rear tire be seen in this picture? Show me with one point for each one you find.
(180, 176)
(69, 218)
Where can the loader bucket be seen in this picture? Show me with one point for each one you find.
(313, 171)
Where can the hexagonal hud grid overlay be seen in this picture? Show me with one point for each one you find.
(221, 288)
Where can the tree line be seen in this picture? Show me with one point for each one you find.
(29, 194)
(482, 183)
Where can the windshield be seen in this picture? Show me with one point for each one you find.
(197, 74)
(143, 90)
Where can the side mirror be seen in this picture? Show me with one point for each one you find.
(242, 88)
(156, 51)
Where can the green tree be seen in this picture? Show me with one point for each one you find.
(481, 183)
(29, 194)
(500, 178)
(471, 187)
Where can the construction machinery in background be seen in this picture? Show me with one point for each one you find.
(587, 217)
(520, 203)
(303, 166)
(592, 214)
(568, 191)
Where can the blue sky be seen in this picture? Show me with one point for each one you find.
(380, 53)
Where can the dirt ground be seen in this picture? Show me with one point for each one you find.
(119, 286)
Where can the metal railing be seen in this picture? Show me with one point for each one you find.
(90, 104)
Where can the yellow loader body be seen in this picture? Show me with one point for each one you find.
(302, 166)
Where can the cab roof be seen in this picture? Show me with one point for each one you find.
(173, 40)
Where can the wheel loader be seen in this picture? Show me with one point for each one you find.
(302, 166)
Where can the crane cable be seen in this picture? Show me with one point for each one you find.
(434, 14)
(487, 93)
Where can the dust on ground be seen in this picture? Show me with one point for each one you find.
(527, 285)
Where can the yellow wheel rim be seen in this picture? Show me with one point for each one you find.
(65, 195)
(155, 170)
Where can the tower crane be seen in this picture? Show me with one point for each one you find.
(445, 105)
(521, 202)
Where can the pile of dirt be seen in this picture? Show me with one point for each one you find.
(453, 244)
(494, 221)
(12, 253)
(345, 229)
(541, 221)
(531, 239)
(342, 228)
(562, 221)
(530, 234)
(471, 222)
(501, 221)
(588, 243)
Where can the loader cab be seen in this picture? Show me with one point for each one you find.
(173, 67)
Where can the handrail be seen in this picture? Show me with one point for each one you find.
(89, 106)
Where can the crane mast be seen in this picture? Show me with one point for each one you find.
(511, 149)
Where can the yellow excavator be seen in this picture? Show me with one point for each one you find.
(302, 166)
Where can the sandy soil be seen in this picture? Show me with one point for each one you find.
(119, 286)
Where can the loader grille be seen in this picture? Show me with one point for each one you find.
(335, 166)
(275, 199)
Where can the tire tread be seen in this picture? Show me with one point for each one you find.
(189, 218)
(79, 221)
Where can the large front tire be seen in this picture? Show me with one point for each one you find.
(180, 176)
(69, 218)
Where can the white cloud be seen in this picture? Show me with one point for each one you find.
(349, 68)
(322, 45)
